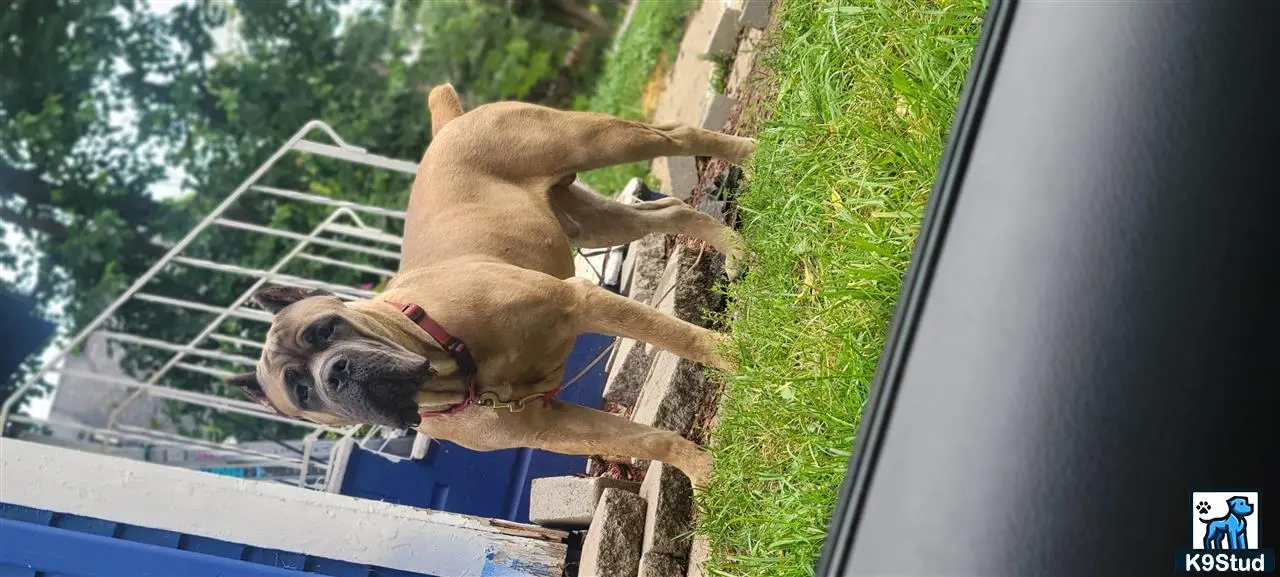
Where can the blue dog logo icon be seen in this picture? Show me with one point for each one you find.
(1229, 529)
(1226, 534)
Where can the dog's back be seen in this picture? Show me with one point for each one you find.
(459, 212)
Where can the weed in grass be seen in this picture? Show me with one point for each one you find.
(837, 187)
(720, 72)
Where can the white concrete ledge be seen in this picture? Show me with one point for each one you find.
(273, 515)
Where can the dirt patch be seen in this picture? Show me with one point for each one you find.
(601, 467)
(705, 418)
(653, 90)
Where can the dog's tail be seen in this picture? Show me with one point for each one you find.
(444, 105)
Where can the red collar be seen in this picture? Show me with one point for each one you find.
(452, 345)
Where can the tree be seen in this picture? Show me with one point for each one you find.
(566, 13)
(71, 183)
(488, 49)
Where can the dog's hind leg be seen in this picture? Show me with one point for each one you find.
(1212, 537)
(521, 141)
(570, 429)
(599, 222)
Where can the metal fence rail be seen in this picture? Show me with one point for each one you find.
(343, 224)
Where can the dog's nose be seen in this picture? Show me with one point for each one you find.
(338, 372)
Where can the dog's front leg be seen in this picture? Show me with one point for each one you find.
(601, 311)
(569, 429)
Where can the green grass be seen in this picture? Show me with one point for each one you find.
(866, 91)
(656, 27)
(719, 72)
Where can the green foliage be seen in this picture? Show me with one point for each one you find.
(495, 49)
(69, 179)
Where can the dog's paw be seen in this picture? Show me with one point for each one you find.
(736, 257)
(1202, 507)
(743, 149)
(724, 354)
(699, 469)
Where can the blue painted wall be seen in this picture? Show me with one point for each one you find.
(493, 484)
(39, 543)
(24, 332)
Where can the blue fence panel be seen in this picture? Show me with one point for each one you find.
(38, 543)
(44, 549)
(486, 484)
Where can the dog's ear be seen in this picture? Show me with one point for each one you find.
(444, 106)
(249, 385)
(274, 298)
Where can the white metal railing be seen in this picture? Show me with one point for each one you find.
(343, 224)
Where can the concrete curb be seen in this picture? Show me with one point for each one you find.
(570, 502)
(612, 546)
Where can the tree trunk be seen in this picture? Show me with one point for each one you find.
(48, 226)
(24, 183)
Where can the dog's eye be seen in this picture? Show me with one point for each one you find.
(321, 333)
(301, 390)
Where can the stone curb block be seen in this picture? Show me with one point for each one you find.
(754, 13)
(669, 516)
(655, 564)
(716, 113)
(627, 376)
(676, 174)
(612, 545)
(671, 395)
(724, 37)
(649, 263)
(692, 296)
(570, 501)
(699, 552)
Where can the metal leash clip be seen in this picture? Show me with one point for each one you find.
(491, 400)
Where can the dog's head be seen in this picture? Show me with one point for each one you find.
(1240, 506)
(338, 363)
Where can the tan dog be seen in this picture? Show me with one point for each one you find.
(487, 254)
